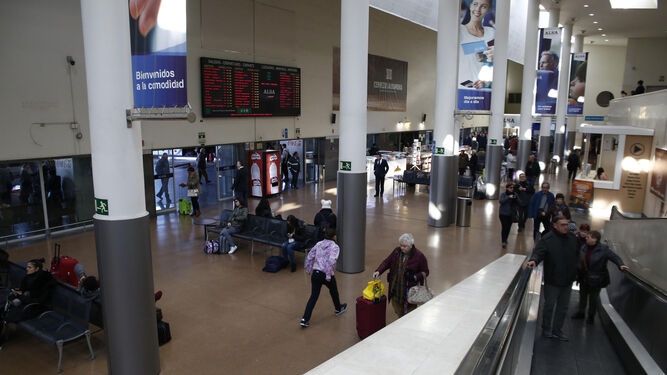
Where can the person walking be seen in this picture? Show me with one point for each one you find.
(380, 170)
(240, 185)
(538, 207)
(573, 163)
(593, 273)
(524, 192)
(559, 251)
(294, 164)
(507, 211)
(284, 157)
(320, 264)
(324, 219)
(407, 267)
(533, 170)
(463, 162)
(472, 164)
(194, 189)
(201, 165)
(162, 170)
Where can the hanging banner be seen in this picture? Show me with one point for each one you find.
(546, 91)
(158, 38)
(575, 101)
(476, 40)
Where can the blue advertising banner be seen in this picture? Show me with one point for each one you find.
(546, 91)
(476, 40)
(158, 38)
(575, 101)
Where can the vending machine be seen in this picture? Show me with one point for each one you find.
(264, 173)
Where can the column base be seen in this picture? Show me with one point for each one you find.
(128, 304)
(351, 226)
(523, 152)
(442, 196)
(569, 144)
(543, 150)
(494, 159)
(559, 142)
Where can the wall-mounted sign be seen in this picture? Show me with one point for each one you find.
(580, 194)
(102, 206)
(345, 165)
(201, 136)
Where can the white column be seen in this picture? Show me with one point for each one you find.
(442, 194)
(578, 43)
(528, 88)
(353, 83)
(494, 152)
(545, 126)
(554, 17)
(563, 91)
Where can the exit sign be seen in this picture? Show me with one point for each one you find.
(345, 165)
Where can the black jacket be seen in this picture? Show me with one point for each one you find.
(533, 169)
(37, 288)
(595, 272)
(524, 195)
(380, 168)
(560, 253)
(323, 220)
(573, 161)
(294, 164)
(241, 180)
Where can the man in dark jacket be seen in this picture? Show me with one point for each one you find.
(573, 164)
(380, 170)
(324, 219)
(294, 164)
(201, 165)
(538, 207)
(463, 162)
(559, 251)
(473, 163)
(524, 192)
(593, 273)
(532, 170)
(240, 185)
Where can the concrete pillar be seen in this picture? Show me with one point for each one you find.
(121, 223)
(563, 91)
(352, 151)
(573, 122)
(554, 16)
(529, 76)
(442, 193)
(543, 147)
(494, 152)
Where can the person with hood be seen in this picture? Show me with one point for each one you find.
(560, 253)
(407, 267)
(324, 219)
(593, 273)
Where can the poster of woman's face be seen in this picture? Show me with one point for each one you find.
(578, 66)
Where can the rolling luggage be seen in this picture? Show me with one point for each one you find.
(371, 317)
(62, 268)
(163, 333)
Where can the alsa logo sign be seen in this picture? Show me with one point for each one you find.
(552, 33)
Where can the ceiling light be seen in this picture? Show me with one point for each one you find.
(606, 40)
(634, 4)
(595, 22)
(599, 29)
(604, 34)
(542, 7)
(591, 14)
(585, 5)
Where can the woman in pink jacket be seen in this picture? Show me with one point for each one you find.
(320, 263)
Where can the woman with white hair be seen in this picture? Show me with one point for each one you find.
(407, 267)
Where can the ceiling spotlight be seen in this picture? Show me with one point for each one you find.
(599, 29)
(585, 5)
(606, 40)
(604, 34)
(591, 14)
(595, 22)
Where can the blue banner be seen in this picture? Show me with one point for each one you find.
(546, 91)
(158, 38)
(578, 65)
(476, 44)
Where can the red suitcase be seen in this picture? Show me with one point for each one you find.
(371, 317)
(62, 268)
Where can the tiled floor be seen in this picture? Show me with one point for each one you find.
(227, 316)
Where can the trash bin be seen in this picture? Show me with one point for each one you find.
(463, 211)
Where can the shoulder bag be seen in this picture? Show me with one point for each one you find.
(419, 294)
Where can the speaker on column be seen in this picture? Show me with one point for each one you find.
(333, 118)
(424, 117)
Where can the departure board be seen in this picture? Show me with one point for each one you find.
(237, 88)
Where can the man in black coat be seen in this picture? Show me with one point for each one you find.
(532, 170)
(294, 164)
(240, 185)
(472, 164)
(324, 219)
(559, 250)
(573, 164)
(380, 170)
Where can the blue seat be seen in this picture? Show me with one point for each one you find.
(65, 322)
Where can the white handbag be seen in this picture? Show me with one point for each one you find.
(419, 294)
(193, 192)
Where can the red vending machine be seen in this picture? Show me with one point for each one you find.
(264, 173)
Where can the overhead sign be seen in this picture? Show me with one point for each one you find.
(158, 39)
(594, 118)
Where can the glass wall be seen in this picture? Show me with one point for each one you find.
(61, 188)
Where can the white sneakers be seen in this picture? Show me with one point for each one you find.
(232, 249)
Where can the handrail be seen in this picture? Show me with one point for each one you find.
(485, 355)
(616, 214)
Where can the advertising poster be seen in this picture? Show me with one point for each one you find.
(659, 176)
(575, 100)
(256, 168)
(580, 194)
(157, 33)
(387, 83)
(546, 91)
(476, 40)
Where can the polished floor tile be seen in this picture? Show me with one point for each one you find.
(227, 316)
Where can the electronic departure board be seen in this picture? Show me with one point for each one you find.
(237, 88)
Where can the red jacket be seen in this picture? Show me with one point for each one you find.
(416, 264)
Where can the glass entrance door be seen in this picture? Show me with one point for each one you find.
(225, 165)
(163, 166)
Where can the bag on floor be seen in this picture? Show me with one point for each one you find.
(275, 263)
(212, 247)
(371, 317)
(374, 290)
(62, 268)
(184, 206)
(419, 294)
(223, 247)
(163, 333)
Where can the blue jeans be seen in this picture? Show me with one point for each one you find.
(288, 250)
(227, 235)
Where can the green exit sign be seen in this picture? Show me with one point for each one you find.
(494, 141)
(440, 150)
(345, 165)
(102, 206)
